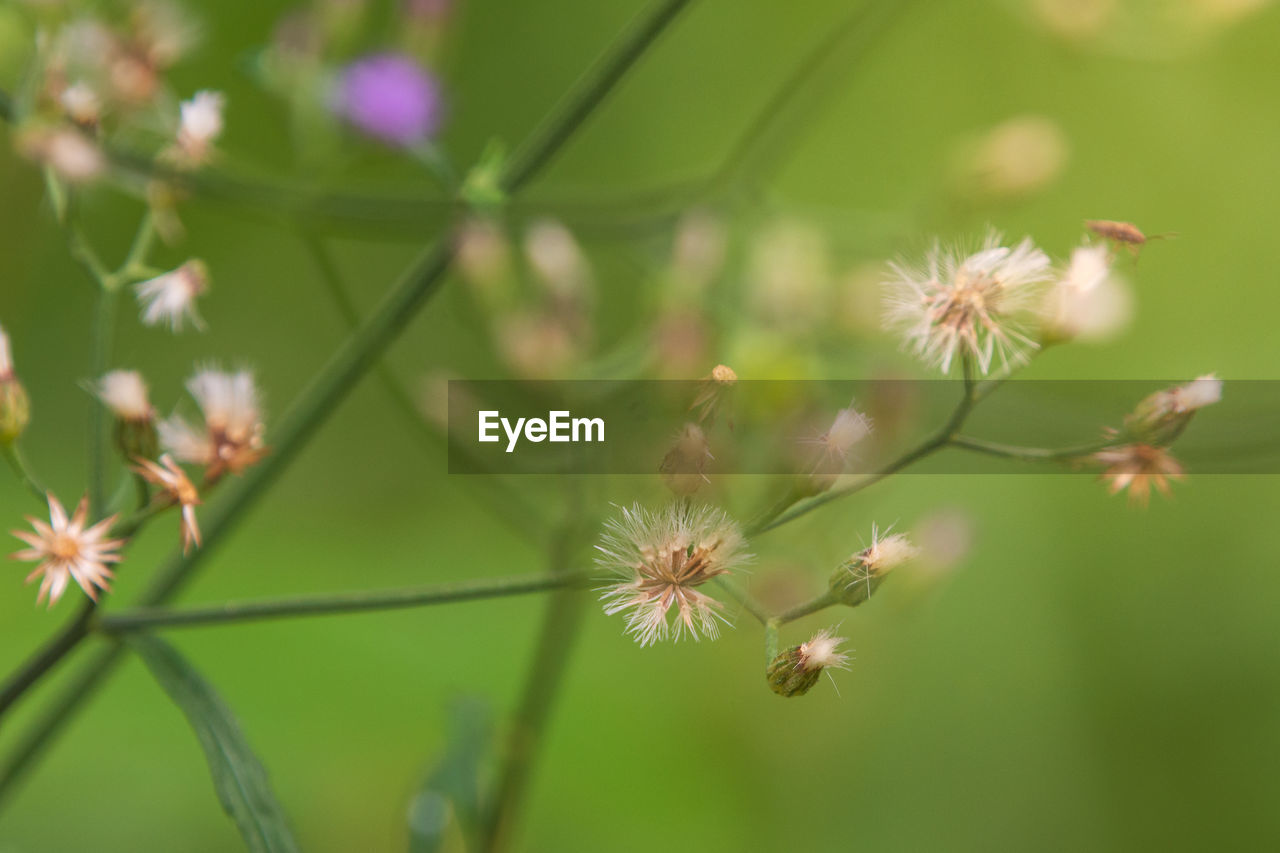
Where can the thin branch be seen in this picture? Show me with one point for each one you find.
(355, 357)
(231, 612)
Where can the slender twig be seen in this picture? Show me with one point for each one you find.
(355, 357)
(506, 504)
(104, 317)
(748, 602)
(18, 462)
(148, 618)
(821, 602)
(1028, 454)
(929, 446)
(561, 623)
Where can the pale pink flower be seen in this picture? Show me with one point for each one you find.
(66, 550)
(660, 558)
(178, 489)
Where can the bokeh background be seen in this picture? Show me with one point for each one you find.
(1088, 677)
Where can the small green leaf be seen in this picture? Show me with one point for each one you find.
(240, 779)
(450, 794)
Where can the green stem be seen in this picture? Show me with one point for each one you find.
(18, 462)
(748, 602)
(561, 623)
(504, 503)
(231, 612)
(104, 316)
(942, 438)
(821, 602)
(1028, 454)
(358, 353)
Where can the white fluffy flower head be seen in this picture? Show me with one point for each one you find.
(200, 124)
(659, 558)
(124, 392)
(822, 651)
(970, 306)
(231, 436)
(171, 298)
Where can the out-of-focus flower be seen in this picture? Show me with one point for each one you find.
(390, 97)
(1161, 417)
(1089, 302)
(231, 437)
(1138, 467)
(177, 488)
(684, 468)
(81, 104)
(698, 253)
(969, 306)
(72, 155)
(124, 392)
(484, 257)
(835, 445)
(659, 560)
(1014, 159)
(66, 550)
(536, 344)
(558, 262)
(713, 393)
(171, 298)
(200, 125)
(788, 276)
(794, 672)
(15, 405)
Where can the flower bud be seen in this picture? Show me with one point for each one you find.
(794, 671)
(684, 467)
(15, 405)
(861, 575)
(1161, 417)
(125, 393)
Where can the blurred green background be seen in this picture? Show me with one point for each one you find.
(1090, 677)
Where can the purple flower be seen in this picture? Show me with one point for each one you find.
(391, 97)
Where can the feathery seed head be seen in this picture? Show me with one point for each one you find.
(659, 559)
(968, 306)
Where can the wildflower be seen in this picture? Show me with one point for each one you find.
(1138, 467)
(67, 550)
(788, 275)
(66, 150)
(1014, 159)
(848, 429)
(699, 251)
(171, 298)
(15, 405)
(199, 126)
(660, 558)
(558, 261)
(684, 467)
(124, 392)
(1088, 302)
(390, 97)
(967, 306)
(177, 489)
(794, 671)
(1162, 416)
(860, 576)
(713, 391)
(81, 104)
(231, 436)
